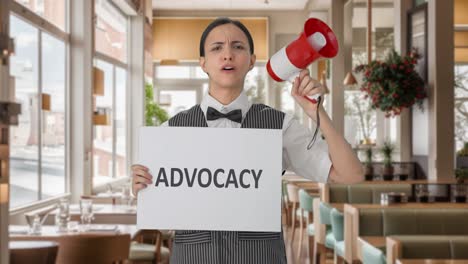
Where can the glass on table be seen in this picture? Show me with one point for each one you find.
(422, 193)
(459, 192)
(126, 198)
(63, 215)
(86, 212)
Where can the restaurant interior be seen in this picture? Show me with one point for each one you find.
(79, 79)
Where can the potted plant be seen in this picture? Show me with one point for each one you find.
(462, 157)
(369, 169)
(393, 84)
(387, 151)
(154, 114)
(461, 174)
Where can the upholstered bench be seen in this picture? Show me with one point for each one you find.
(427, 247)
(405, 221)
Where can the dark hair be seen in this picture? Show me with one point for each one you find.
(222, 21)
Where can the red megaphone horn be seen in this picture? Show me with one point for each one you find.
(317, 40)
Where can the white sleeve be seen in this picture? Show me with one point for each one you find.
(313, 164)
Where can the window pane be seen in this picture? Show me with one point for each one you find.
(103, 135)
(110, 31)
(24, 151)
(461, 105)
(173, 72)
(254, 84)
(53, 121)
(360, 119)
(178, 100)
(120, 121)
(52, 10)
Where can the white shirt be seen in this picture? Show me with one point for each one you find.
(314, 164)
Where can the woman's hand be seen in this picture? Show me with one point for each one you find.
(140, 178)
(305, 85)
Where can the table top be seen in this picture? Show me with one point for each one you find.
(442, 181)
(101, 209)
(18, 245)
(432, 261)
(21, 231)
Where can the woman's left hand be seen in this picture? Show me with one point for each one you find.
(305, 85)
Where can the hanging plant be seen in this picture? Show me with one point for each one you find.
(393, 84)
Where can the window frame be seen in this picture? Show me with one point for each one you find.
(42, 25)
(114, 62)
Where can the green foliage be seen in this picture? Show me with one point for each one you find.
(461, 174)
(387, 151)
(464, 151)
(393, 84)
(154, 114)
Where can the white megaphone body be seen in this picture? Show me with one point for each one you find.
(316, 41)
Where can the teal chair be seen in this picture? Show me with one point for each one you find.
(325, 219)
(305, 212)
(337, 226)
(372, 255)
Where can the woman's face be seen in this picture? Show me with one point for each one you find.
(227, 57)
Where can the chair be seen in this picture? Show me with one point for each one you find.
(286, 204)
(337, 225)
(306, 206)
(42, 252)
(326, 244)
(293, 195)
(90, 248)
(147, 246)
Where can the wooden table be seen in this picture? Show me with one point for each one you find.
(20, 232)
(103, 214)
(376, 241)
(432, 261)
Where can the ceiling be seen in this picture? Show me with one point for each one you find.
(232, 4)
(251, 4)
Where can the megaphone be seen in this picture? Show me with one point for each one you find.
(316, 41)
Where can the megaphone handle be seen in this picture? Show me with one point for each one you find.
(312, 98)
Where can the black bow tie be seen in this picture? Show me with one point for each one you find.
(234, 115)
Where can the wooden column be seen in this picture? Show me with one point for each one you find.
(441, 91)
(401, 8)
(337, 67)
(81, 93)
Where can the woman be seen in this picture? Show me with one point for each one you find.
(227, 55)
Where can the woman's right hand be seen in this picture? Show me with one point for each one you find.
(140, 178)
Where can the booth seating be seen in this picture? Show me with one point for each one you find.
(391, 221)
(426, 247)
(366, 193)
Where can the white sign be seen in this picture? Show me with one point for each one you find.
(211, 179)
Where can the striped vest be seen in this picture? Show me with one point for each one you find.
(228, 247)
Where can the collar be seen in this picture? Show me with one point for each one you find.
(241, 102)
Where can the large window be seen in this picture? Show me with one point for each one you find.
(461, 105)
(51, 10)
(362, 122)
(109, 146)
(110, 138)
(38, 149)
(179, 87)
(110, 30)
